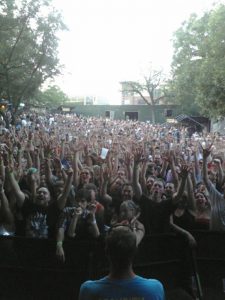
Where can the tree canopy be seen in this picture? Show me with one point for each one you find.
(198, 66)
(29, 43)
(52, 97)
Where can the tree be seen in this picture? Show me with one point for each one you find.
(199, 62)
(149, 90)
(28, 52)
(52, 97)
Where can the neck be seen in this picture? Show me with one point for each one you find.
(116, 273)
(202, 213)
(157, 197)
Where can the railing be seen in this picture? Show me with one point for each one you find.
(30, 270)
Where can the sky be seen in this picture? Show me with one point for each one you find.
(110, 41)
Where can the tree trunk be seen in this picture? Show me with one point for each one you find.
(153, 113)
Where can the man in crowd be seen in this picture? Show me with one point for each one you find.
(217, 199)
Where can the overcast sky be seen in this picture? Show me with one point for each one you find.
(114, 40)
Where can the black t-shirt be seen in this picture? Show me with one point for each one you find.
(186, 221)
(155, 216)
(40, 221)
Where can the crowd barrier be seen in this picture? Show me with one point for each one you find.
(29, 268)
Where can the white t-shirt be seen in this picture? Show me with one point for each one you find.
(217, 201)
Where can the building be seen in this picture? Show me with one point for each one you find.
(123, 112)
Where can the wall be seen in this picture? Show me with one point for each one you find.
(144, 111)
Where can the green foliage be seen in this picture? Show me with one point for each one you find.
(28, 51)
(199, 63)
(52, 97)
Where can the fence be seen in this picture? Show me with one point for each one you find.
(29, 269)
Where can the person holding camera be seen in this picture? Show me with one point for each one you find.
(129, 213)
(78, 222)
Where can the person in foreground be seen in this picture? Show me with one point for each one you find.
(121, 282)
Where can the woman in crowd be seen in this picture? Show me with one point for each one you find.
(193, 211)
(128, 215)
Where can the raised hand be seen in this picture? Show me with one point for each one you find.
(206, 152)
(105, 173)
(184, 170)
(92, 208)
(127, 158)
(133, 221)
(138, 155)
(77, 212)
(57, 163)
(48, 150)
(70, 172)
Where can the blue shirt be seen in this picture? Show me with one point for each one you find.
(137, 288)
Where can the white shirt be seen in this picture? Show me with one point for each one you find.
(217, 201)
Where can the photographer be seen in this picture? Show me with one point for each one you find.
(77, 222)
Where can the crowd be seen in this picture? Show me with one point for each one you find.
(73, 177)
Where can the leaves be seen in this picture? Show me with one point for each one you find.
(53, 97)
(29, 42)
(198, 63)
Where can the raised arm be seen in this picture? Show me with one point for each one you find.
(20, 196)
(115, 153)
(144, 168)
(73, 224)
(4, 207)
(106, 198)
(197, 169)
(173, 169)
(136, 184)
(87, 157)
(48, 171)
(62, 153)
(61, 200)
(93, 226)
(190, 191)
(19, 162)
(220, 171)
(75, 165)
(164, 167)
(206, 153)
(183, 175)
(128, 164)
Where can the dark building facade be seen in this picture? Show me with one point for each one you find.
(124, 112)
